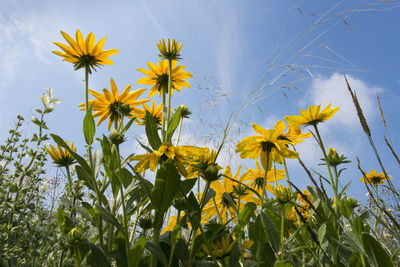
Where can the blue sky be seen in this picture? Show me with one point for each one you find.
(300, 48)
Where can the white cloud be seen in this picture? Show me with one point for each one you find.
(333, 89)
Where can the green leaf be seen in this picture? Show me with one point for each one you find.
(97, 258)
(375, 251)
(234, 256)
(137, 251)
(84, 176)
(89, 127)
(173, 123)
(87, 212)
(283, 264)
(345, 188)
(181, 250)
(64, 222)
(152, 131)
(165, 186)
(350, 239)
(194, 213)
(148, 149)
(244, 216)
(110, 218)
(97, 161)
(271, 232)
(187, 185)
(322, 232)
(157, 251)
(128, 125)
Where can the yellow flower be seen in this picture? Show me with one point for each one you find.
(220, 247)
(294, 134)
(291, 215)
(282, 193)
(155, 112)
(266, 144)
(170, 51)
(303, 204)
(158, 77)
(61, 157)
(255, 178)
(110, 104)
(312, 116)
(200, 160)
(222, 190)
(178, 153)
(83, 52)
(223, 245)
(374, 178)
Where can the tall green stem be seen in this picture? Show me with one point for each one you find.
(287, 174)
(179, 130)
(376, 208)
(164, 114)
(69, 180)
(334, 187)
(265, 180)
(333, 184)
(169, 90)
(282, 230)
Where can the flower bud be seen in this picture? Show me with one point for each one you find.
(116, 138)
(283, 194)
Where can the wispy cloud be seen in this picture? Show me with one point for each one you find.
(333, 89)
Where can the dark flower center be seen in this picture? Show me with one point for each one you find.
(267, 146)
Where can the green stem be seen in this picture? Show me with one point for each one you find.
(217, 211)
(282, 230)
(171, 255)
(179, 130)
(333, 184)
(124, 213)
(287, 174)
(376, 209)
(164, 114)
(77, 260)
(156, 235)
(169, 90)
(335, 190)
(265, 181)
(69, 180)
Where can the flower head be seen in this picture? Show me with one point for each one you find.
(155, 111)
(158, 77)
(266, 145)
(203, 164)
(282, 194)
(83, 52)
(178, 153)
(112, 104)
(255, 177)
(374, 178)
(312, 116)
(223, 245)
(226, 195)
(169, 51)
(62, 157)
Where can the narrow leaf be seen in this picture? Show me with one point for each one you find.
(173, 123)
(89, 127)
(152, 132)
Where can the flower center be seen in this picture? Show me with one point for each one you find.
(267, 146)
(258, 182)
